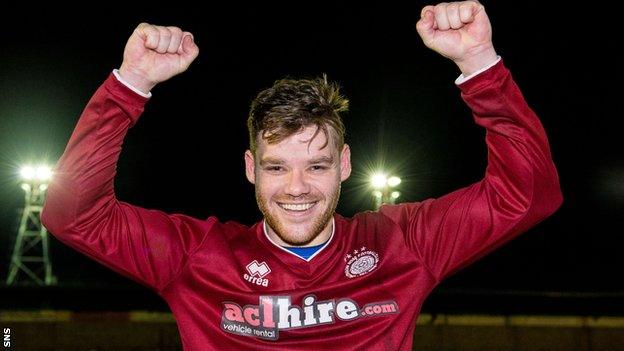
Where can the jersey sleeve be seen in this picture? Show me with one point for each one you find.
(81, 209)
(520, 187)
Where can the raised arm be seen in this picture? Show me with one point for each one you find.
(520, 187)
(81, 208)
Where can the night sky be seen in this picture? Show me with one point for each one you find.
(186, 153)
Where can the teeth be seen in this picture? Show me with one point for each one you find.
(297, 207)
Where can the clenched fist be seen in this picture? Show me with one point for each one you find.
(154, 54)
(460, 31)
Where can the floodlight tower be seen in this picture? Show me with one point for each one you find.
(384, 193)
(30, 253)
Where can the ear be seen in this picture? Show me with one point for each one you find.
(250, 167)
(345, 163)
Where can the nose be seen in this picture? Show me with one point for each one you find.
(297, 184)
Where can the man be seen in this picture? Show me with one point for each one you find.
(304, 277)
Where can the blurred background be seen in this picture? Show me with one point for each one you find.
(559, 286)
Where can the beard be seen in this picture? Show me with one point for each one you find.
(310, 233)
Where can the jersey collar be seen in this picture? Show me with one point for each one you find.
(264, 229)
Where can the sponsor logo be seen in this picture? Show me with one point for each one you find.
(257, 272)
(360, 262)
(275, 313)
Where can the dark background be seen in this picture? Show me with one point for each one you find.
(186, 153)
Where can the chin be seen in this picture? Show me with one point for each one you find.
(291, 242)
(296, 234)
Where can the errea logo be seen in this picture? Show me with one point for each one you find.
(257, 272)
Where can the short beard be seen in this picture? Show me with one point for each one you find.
(319, 224)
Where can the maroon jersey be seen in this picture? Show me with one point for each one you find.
(230, 287)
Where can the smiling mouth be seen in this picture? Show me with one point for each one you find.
(297, 208)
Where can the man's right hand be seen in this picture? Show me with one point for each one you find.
(154, 54)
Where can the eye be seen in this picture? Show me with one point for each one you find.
(318, 168)
(273, 168)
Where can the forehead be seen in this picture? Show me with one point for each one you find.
(298, 146)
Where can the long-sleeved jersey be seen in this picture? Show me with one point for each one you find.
(230, 287)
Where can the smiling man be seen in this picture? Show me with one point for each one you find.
(298, 158)
(304, 277)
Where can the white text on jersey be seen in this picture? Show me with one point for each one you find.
(276, 313)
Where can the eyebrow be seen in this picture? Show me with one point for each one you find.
(322, 159)
(279, 161)
(271, 160)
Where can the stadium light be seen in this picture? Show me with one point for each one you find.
(39, 174)
(379, 180)
(30, 260)
(383, 188)
(43, 173)
(394, 181)
(28, 173)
